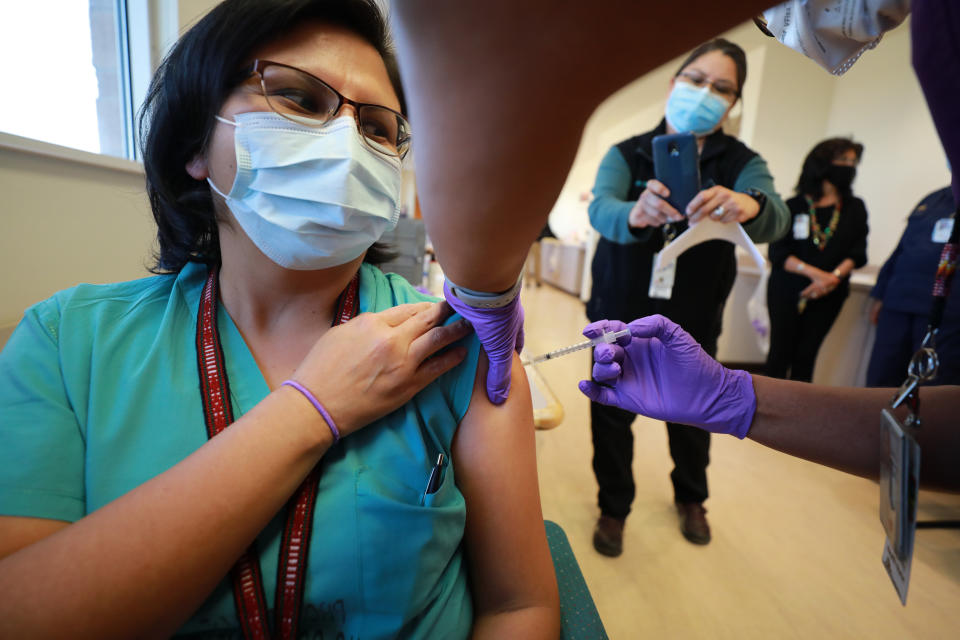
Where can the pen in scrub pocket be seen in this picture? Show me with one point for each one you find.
(436, 476)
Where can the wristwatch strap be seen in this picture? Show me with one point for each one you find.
(757, 195)
(484, 300)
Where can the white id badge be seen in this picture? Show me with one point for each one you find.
(801, 226)
(661, 280)
(942, 230)
(899, 482)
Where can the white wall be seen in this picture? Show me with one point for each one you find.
(880, 102)
(66, 221)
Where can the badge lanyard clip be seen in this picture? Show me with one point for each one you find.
(923, 367)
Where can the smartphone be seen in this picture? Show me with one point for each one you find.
(676, 163)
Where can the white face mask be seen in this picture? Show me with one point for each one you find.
(310, 198)
(834, 33)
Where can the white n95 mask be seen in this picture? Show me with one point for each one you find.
(310, 198)
(834, 33)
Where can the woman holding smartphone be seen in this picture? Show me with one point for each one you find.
(635, 221)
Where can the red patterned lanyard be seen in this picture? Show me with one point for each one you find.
(945, 270)
(248, 594)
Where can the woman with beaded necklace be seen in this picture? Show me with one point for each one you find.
(812, 265)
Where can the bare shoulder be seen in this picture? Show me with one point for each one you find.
(489, 419)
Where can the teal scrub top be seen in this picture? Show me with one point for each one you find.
(99, 393)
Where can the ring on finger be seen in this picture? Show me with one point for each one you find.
(716, 213)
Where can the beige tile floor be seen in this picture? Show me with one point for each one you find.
(796, 547)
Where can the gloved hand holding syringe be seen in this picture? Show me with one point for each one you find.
(608, 337)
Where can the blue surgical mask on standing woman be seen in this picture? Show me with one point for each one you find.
(310, 198)
(693, 110)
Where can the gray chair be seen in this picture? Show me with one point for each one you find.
(408, 240)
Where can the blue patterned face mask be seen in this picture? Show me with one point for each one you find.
(310, 198)
(692, 110)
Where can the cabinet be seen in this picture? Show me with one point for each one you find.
(562, 264)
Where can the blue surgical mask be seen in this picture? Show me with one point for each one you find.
(693, 110)
(310, 197)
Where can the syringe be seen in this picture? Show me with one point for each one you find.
(607, 338)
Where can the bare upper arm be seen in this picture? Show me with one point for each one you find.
(497, 71)
(18, 532)
(494, 458)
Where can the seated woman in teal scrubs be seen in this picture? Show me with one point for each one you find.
(220, 450)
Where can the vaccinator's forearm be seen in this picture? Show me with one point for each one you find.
(840, 427)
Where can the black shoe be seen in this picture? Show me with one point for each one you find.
(693, 522)
(608, 536)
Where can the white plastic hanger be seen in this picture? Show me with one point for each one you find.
(707, 229)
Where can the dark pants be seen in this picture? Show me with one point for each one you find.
(898, 337)
(795, 338)
(613, 460)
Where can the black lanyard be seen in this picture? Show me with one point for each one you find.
(248, 594)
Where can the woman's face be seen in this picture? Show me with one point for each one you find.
(339, 57)
(719, 70)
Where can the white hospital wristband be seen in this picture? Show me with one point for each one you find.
(483, 300)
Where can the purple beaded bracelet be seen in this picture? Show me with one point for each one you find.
(319, 407)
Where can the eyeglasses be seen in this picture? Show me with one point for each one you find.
(301, 97)
(722, 89)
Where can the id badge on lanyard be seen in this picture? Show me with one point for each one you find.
(661, 279)
(942, 230)
(900, 452)
(899, 483)
(663, 275)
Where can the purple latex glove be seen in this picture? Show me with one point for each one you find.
(501, 333)
(664, 374)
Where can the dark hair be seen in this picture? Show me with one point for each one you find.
(818, 162)
(187, 91)
(727, 48)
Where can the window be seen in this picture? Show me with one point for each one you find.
(68, 72)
